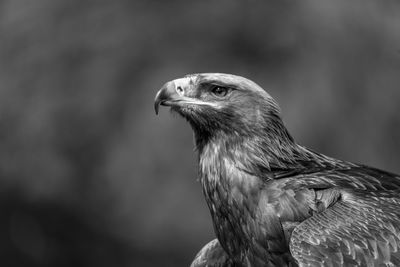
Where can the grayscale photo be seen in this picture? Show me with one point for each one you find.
(225, 133)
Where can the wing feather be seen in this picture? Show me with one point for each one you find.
(212, 255)
(361, 229)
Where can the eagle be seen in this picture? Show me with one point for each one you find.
(274, 202)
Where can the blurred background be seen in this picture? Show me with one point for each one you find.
(89, 176)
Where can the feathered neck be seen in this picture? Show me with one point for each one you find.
(267, 149)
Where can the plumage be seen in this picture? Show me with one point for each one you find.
(272, 201)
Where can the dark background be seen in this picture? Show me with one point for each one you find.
(89, 176)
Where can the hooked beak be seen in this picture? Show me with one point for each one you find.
(167, 95)
(173, 94)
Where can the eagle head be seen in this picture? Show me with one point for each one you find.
(218, 104)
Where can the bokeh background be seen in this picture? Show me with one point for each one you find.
(89, 176)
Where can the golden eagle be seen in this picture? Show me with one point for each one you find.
(274, 202)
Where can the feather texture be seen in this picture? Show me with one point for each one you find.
(272, 201)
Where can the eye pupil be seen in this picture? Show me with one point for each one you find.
(220, 91)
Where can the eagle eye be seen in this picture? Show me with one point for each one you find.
(219, 91)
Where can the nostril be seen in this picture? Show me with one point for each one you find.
(179, 89)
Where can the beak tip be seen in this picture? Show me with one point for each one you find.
(156, 107)
(157, 102)
(167, 92)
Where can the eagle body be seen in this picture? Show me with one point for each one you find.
(272, 201)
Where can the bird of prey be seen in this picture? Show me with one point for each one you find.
(274, 202)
